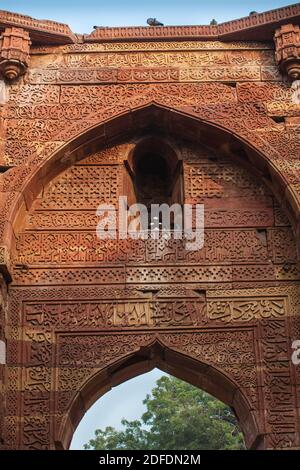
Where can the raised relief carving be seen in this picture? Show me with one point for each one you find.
(278, 390)
(220, 246)
(101, 185)
(115, 314)
(14, 52)
(155, 46)
(78, 306)
(243, 310)
(287, 41)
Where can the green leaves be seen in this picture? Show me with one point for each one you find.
(178, 416)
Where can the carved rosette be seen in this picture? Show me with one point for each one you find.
(14, 52)
(287, 42)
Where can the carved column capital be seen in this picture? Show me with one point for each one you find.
(287, 42)
(14, 52)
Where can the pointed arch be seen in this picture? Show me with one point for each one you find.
(158, 354)
(225, 133)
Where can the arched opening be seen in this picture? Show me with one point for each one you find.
(154, 176)
(172, 122)
(157, 410)
(157, 356)
(157, 172)
(227, 287)
(152, 180)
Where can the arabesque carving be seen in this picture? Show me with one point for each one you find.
(82, 313)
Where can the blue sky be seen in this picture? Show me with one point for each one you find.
(83, 15)
(124, 401)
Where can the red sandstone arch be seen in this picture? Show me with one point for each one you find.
(227, 136)
(132, 124)
(49, 365)
(158, 355)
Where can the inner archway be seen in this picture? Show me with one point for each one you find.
(158, 411)
(159, 119)
(87, 303)
(155, 355)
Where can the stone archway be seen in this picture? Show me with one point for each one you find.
(233, 128)
(68, 119)
(232, 307)
(159, 352)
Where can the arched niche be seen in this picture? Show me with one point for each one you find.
(155, 171)
(153, 118)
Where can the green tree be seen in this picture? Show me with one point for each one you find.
(178, 417)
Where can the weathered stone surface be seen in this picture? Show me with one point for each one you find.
(83, 314)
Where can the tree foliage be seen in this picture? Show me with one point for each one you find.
(178, 416)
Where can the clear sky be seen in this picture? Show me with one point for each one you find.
(124, 401)
(82, 15)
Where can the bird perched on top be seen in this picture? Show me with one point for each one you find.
(153, 22)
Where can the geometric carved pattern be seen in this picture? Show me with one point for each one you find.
(247, 240)
(278, 390)
(82, 312)
(49, 248)
(211, 181)
(100, 185)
